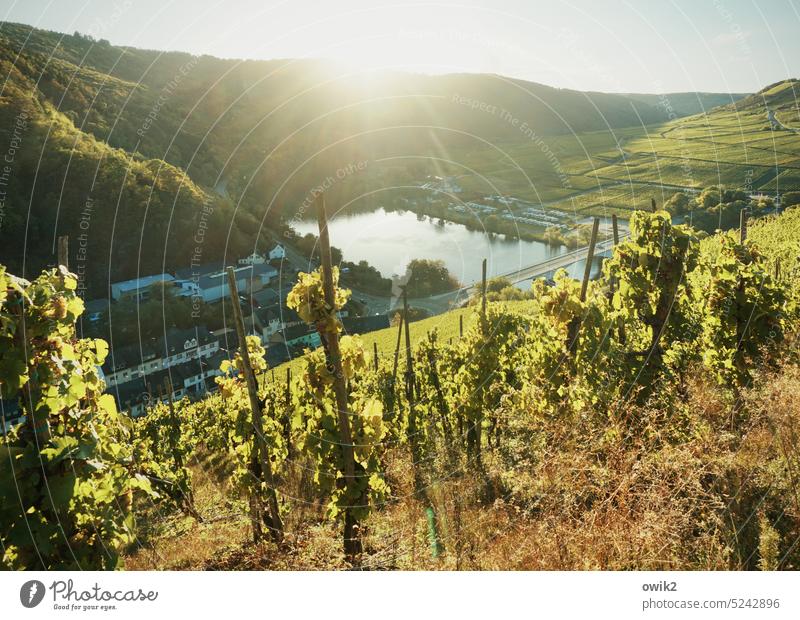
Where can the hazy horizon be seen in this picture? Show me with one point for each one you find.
(623, 48)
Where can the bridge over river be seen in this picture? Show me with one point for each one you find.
(441, 303)
(602, 248)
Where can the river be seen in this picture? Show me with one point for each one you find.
(389, 240)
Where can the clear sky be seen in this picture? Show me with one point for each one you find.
(622, 46)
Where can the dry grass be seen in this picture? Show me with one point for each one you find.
(682, 483)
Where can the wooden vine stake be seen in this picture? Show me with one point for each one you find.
(276, 525)
(409, 377)
(397, 350)
(587, 270)
(574, 326)
(375, 355)
(63, 251)
(173, 420)
(287, 422)
(475, 432)
(38, 423)
(615, 233)
(483, 294)
(741, 325)
(352, 536)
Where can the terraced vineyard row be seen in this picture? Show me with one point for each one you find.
(666, 309)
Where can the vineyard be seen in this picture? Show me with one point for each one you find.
(644, 420)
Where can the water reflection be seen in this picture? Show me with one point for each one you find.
(389, 240)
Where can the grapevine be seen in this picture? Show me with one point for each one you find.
(67, 477)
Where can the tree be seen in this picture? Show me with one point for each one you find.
(762, 205)
(429, 277)
(553, 236)
(678, 203)
(414, 314)
(495, 285)
(308, 244)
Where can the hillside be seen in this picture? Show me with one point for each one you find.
(731, 146)
(152, 136)
(779, 96)
(643, 426)
(124, 213)
(277, 98)
(579, 471)
(688, 104)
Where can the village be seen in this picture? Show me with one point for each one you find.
(509, 209)
(189, 359)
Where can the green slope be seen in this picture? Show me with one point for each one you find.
(123, 213)
(446, 324)
(268, 132)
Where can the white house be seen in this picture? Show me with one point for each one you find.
(268, 321)
(277, 253)
(254, 259)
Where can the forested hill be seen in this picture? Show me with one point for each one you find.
(139, 140)
(123, 211)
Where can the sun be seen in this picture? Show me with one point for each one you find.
(391, 38)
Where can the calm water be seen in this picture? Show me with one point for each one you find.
(390, 240)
